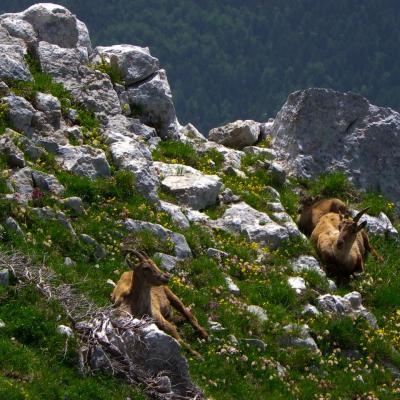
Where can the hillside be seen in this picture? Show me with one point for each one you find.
(93, 157)
(230, 60)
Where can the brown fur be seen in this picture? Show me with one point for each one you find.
(312, 210)
(342, 244)
(143, 291)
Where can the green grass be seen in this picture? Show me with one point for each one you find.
(4, 123)
(35, 366)
(176, 152)
(38, 363)
(111, 70)
(334, 184)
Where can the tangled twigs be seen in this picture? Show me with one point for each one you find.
(103, 337)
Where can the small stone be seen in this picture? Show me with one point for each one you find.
(232, 287)
(2, 324)
(216, 254)
(310, 310)
(75, 204)
(355, 300)
(228, 197)
(69, 262)
(4, 277)
(307, 263)
(12, 224)
(272, 192)
(332, 285)
(231, 171)
(111, 282)
(65, 330)
(298, 284)
(233, 340)
(258, 311)
(215, 326)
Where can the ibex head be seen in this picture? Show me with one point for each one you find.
(146, 269)
(349, 228)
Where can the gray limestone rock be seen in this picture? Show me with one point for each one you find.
(256, 226)
(168, 262)
(194, 191)
(74, 204)
(307, 263)
(134, 63)
(258, 311)
(52, 215)
(12, 63)
(13, 155)
(53, 24)
(321, 130)
(298, 336)
(175, 213)
(182, 249)
(380, 225)
(20, 113)
(237, 135)
(152, 103)
(47, 182)
(84, 161)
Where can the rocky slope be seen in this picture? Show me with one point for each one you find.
(92, 151)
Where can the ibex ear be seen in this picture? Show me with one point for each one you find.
(362, 226)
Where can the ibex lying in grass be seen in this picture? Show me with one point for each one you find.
(312, 209)
(342, 243)
(143, 291)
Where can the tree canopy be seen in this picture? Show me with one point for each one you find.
(235, 59)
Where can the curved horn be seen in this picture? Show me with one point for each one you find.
(130, 264)
(360, 214)
(144, 254)
(138, 254)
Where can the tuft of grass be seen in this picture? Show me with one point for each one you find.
(36, 362)
(176, 152)
(378, 203)
(4, 123)
(110, 69)
(335, 184)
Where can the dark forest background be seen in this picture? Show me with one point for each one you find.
(231, 59)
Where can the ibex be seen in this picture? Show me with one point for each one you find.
(342, 243)
(143, 291)
(312, 209)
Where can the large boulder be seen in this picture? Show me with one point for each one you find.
(14, 30)
(194, 191)
(254, 225)
(181, 247)
(190, 187)
(134, 63)
(236, 134)
(321, 130)
(53, 23)
(69, 66)
(12, 63)
(132, 155)
(84, 161)
(151, 101)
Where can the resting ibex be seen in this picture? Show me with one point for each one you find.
(143, 291)
(312, 209)
(342, 243)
